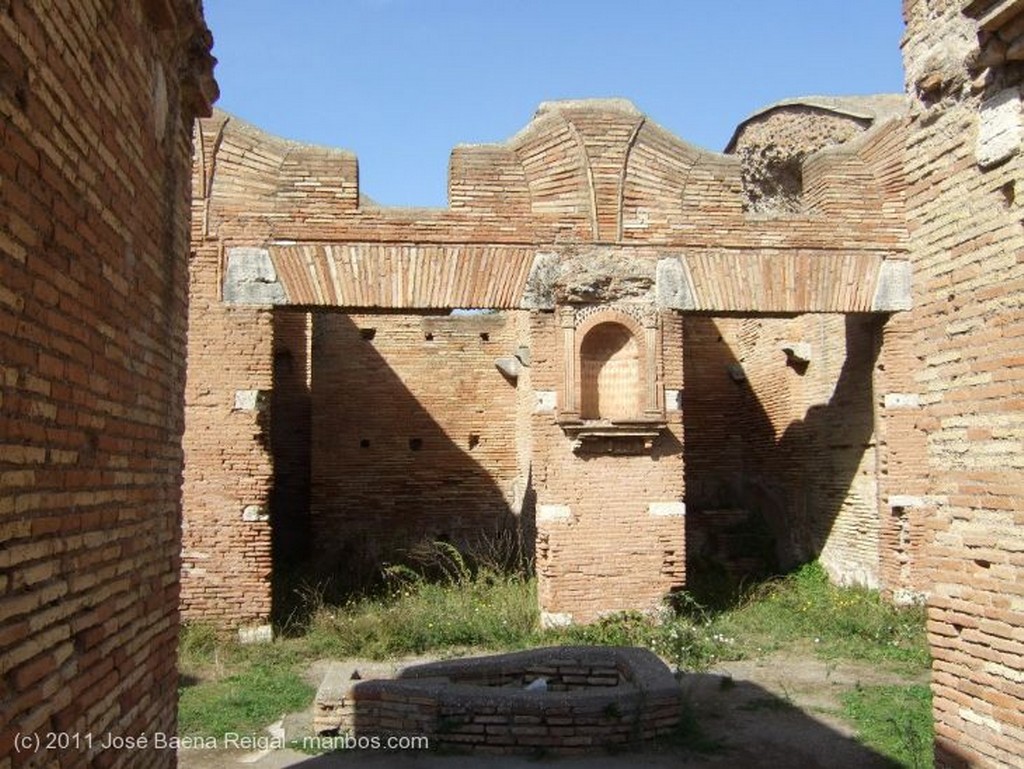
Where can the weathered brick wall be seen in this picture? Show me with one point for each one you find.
(610, 527)
(585, 208)
(414, 432)
(226, 544)
(97, 106)
(780, 454)
(964, 369)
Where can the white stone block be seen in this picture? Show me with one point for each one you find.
(553, 619)
(905, 500)
(902, 401)
(551, 513)
(673, 400)
(894, 289)
(546, 401)
(257, 634)
(999, 128)
(249, 400)
(250, 278)
(254, 514)
(666, 508)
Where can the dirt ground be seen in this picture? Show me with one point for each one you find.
(776, 712)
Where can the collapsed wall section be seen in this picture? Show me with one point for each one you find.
(97, 105)
(774, 144)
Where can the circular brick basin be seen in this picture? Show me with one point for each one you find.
(563, 699)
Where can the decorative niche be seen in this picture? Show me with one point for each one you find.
(612, 401)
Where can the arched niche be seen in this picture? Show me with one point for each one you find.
(611, 387)
(609, 373)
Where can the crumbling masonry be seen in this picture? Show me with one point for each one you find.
(652, 343)
(814, 339)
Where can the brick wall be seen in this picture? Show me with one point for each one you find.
(414, 432)
(610, 526)
(578, 211)
(963, 366)
(228, 479)
(780, 453)
(97, 106)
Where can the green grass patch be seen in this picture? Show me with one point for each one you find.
(244, 702)
(840, 622)
(225, 687)
(490, 611)
(895, 721)
(801, 609)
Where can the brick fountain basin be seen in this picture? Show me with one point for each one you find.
(562, 699)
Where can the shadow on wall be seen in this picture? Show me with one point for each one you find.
(403, 433)
(759, 501)
(290, 436)
(949, 756)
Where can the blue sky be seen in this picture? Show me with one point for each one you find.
(400, 82)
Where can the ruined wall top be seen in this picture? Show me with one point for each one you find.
(188, 41)
(774, 143)
(580, 178)
(594, 171)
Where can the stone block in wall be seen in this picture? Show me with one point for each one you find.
(673, 400)
(250, 400)
(893, 287)
(256, 634)
(999, 128)
(894, 401)
(546, 402)
(540, 285)
(250, 278)
(255, 514)
(674, 286)
(553, 514)
(666, 508)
